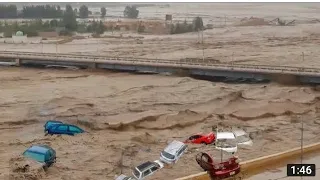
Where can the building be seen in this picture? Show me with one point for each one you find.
(19, 37)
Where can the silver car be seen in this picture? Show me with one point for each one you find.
(147, 169)
(173, 152)
(242, 137)
(124, 177)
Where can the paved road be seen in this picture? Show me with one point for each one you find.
(281, 173)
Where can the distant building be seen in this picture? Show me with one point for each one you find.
(19, 37)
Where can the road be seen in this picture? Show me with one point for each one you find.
(281, 173)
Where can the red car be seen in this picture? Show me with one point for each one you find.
(222, 166)
(201, 138)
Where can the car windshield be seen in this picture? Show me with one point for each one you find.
(167, 155)
(226, 143)
(49, 123)
(217, 155)
(136, 173)
(243, 138)
(36, 156)
(156, 165)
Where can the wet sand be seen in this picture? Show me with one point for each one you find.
(139, 114)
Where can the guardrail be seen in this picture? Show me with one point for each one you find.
(184, 63)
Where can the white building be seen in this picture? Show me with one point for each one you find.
(19, 37)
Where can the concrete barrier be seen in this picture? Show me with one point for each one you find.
(258, 165)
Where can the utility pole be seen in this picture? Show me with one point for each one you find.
(216, 142)
(57, 48)
(202, 46)
(301, 142)
(232, 57)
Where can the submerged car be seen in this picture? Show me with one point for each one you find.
(242, 137)
(67, 129)
(226, 141)
(201, 138)
(124, 177)
(218, 164)
(41, 153)
(50, 123)
(173, 152)
(147, 169)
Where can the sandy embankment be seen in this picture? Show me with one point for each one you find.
(130, 118)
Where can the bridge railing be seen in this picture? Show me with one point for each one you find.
(133, 60)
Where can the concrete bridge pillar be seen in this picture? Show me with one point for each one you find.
(93, 65)
(18, 61)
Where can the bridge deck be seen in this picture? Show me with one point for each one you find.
(153, 65)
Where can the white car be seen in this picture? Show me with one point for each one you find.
(173, 152)
(226, 141)
(242, 137)
(147, 169)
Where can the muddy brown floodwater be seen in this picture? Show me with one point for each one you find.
(132, 117)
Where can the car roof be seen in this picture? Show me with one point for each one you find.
(64, 124)
(239, 132)
(142, 167)
(174, 146)
(225, 135)
(39, 149)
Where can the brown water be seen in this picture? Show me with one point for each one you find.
(139, 114)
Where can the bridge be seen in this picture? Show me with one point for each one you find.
(186, 67)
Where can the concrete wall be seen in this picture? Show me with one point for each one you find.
(19, 39)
